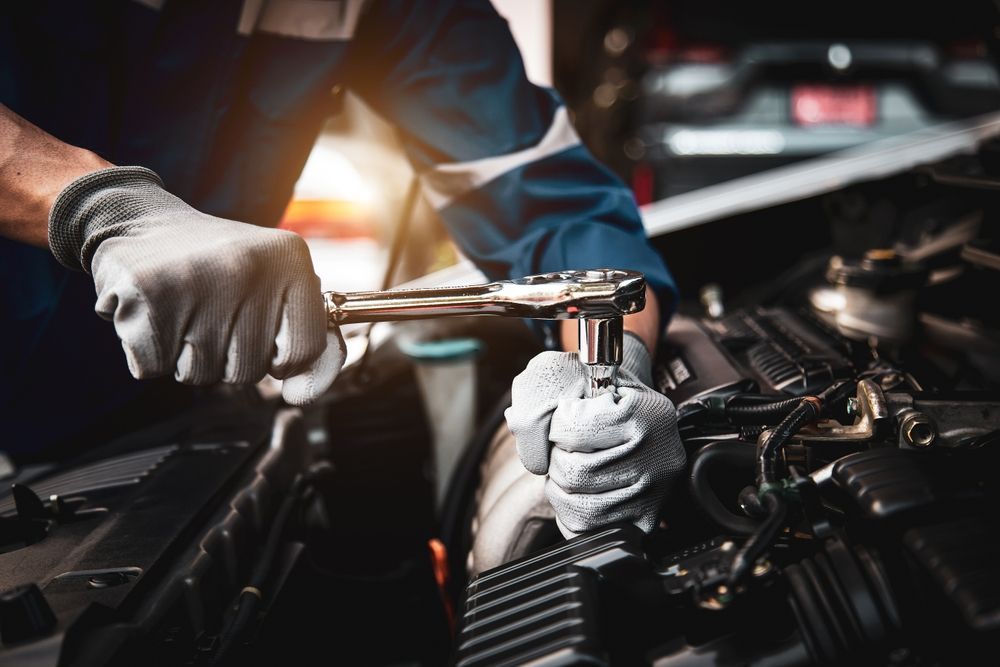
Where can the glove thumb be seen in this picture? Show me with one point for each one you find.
(305, 387)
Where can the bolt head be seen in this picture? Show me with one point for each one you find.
(919, 431)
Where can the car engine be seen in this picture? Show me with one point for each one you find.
(835, 367)
(841, 495)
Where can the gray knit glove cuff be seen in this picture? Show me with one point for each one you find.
(104, 200)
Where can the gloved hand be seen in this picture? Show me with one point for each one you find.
(204, 298)
(609, 458)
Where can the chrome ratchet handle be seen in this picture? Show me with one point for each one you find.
(415, 304)
(597, 298)
(565, 295)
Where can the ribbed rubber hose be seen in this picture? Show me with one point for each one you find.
(755, 409)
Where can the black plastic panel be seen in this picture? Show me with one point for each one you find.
(884, 482)
(162, 530)
(774, 350)
(543, 609)
(962, 556)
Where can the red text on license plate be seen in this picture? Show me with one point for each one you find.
(834, 105)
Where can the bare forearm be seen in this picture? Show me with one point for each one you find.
(34, 169)
(645, 324)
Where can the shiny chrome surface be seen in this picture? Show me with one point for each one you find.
(601, 340)
(564, 295)
(598, 298)
(602, 378)
(601, 343)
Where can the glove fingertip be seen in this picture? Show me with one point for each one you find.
(534, 466)
(302, 333)
(304, 388)
(532, 445)
(534, 459)
(647, 521)
(106, 305)
(135, 368)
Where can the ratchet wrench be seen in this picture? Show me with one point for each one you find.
(598, 299)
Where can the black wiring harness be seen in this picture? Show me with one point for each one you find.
(771, 481)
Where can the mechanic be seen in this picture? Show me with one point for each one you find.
(220, 103)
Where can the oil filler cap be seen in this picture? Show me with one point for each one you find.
(24, 614)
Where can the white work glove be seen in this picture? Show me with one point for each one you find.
(204, 298)
(609, 458)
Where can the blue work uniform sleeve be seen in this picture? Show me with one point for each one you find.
(497, 156)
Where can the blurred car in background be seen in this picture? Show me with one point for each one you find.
(703, 92)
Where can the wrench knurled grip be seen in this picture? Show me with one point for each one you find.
(598, 299)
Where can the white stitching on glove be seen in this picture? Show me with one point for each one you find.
(204, 298)
(610, 458)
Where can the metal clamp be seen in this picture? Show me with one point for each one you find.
(872, 412)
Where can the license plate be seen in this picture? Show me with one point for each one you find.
(834, 105)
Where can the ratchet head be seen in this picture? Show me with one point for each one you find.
(590, 294)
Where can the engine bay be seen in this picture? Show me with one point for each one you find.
(885, 553)
(835, 367)
(840, 498)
